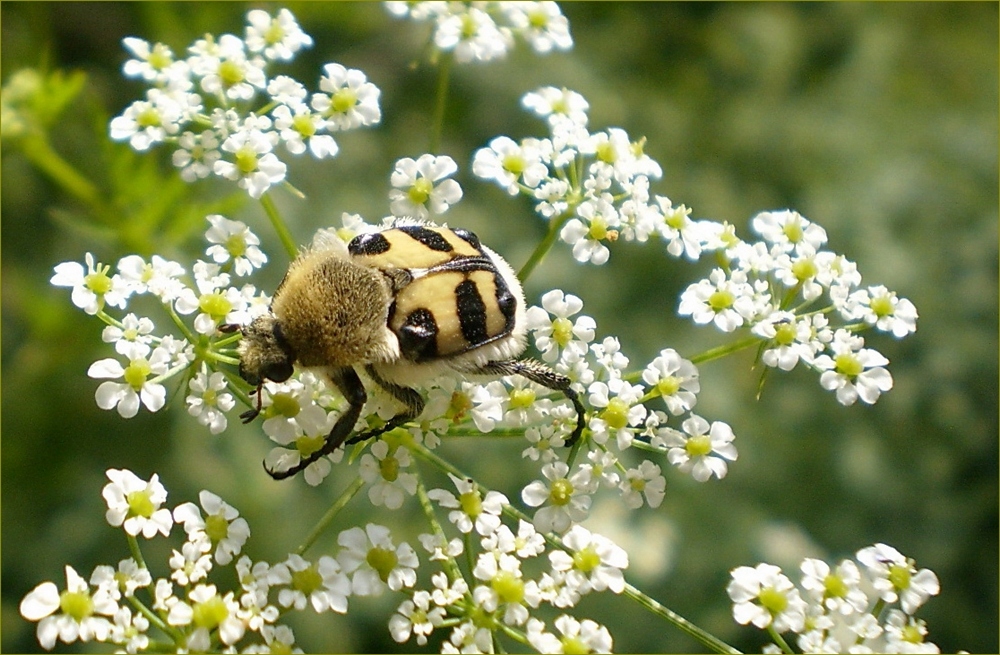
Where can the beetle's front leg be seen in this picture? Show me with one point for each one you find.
(349, 384)
(409, 398)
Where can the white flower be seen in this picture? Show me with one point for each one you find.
(129, 630)
(158, 277)
(209, 612)
(703, 450)
(683, 236)
(235, 243)
(505, 586)
(297, 125)
(793, 339)
(577, 636)
(471, 510)
(644, 480)
(226, 69)
(674, 379)
(838, 590)
(509, 163)
(135, 504)
(254, 166)
(472, 34)
(222, 525)
(92, 288)
(853, 371)
(600, 222)
(726, 301)
(383, 470)
(416, 616)
(896, 577)
(568, 497)
(125, 396)
(78, 607)
(193, 562)
(620, 411)
(421, 188)
(206, 401)
(373, 563)
(788, 230)
(545, 442)
(905, 634)
(132, 338)
(152, 63)
(349, 101)
(279, 37)
(596, 562)
(557, 105)
(150, 121)
(558, 333)
(766, 597)
(322, 584)
(880, 307)
(541, 24)
(196, 154)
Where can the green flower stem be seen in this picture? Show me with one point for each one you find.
(40, 153)
(331, 514)
(279, 225)
(726, 349)
(544, 245)
(779, 640)
(133, 546)
(425, 504)
(154, 619)
(700, 635)
(441, 101)
(711, 642)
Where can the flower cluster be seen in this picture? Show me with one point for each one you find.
(864, 605)
(120, 605)
(485, 31)
(225, 114)
(594, 189)
(497, 592)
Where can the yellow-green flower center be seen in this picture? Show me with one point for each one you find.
(616, 414)
(216, 527)
(236, 245)
(275, 33)
(562, 331)
(471, 503)
(307, 445)
(303, 124)
(389, 468)
(911, 634)
(308, 580)
(698, 446)
(882, 306)
(210, 613)
(522, 398)
(343, 99)
(509, 588)
(136, 373)
(586, 560)
(784, 334)
(598, 229)
(159, 57)
(76, 604)
(215, 304)
(140, 504)
(98, 282)
(420, 191)
(804, 269)
(383, 561)
(574, 646)
(284, 404)
(773, 600)
(561, 492)
(606, 153)
(721, 299)
(459, 405)
(668, 386)
(148, 117)
(793, 230)
(899, 576)
(514, 163)
(246, 160)
(848, 364)
(638, 484)
(230, 73)
(834, 586)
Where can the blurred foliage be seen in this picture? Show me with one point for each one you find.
(878, 121)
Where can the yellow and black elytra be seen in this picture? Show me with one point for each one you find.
(403, 305)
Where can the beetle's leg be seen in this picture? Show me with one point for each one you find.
(251, 414)
(545, 376)
(409, 398)
(347, 380)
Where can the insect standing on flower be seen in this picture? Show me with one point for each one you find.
(400, 306)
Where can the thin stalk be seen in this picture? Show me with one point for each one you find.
(331, 513)
(543, 246)
(279, 225)
(440, 102)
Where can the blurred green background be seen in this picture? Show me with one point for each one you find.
(878, 121)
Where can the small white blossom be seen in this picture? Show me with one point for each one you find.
(726, 301)
(322, 585)
(764, 596)
(896, 577)
(416, 616)
(674, 379)
(472, 34)
(196, 154)
(554, 331)
(596, 563)
(214, 613)
(253, 164)
(853, 371)
(541, 24)
(597, 222)
(511, 164)
(135, 504)
(373, 562)
(702, 449)
(566, 498)
(71, 614)
(207, 402)
(133, 337)
(92, 287)
(349, 99)
(421, 188)
(644, 480)
(137, 385)
(383, 470)
(278, 37)
(471, 510)
(222, 525)
(557, 105)
(788, 230)
(158, 277)
(882, 308)
(235, 243)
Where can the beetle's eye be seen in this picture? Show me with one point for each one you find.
(278, 371)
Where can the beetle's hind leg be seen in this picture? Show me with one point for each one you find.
(350, 386)
(545, 376)
(409, 398)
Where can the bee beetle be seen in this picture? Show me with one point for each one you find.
(401, 305)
